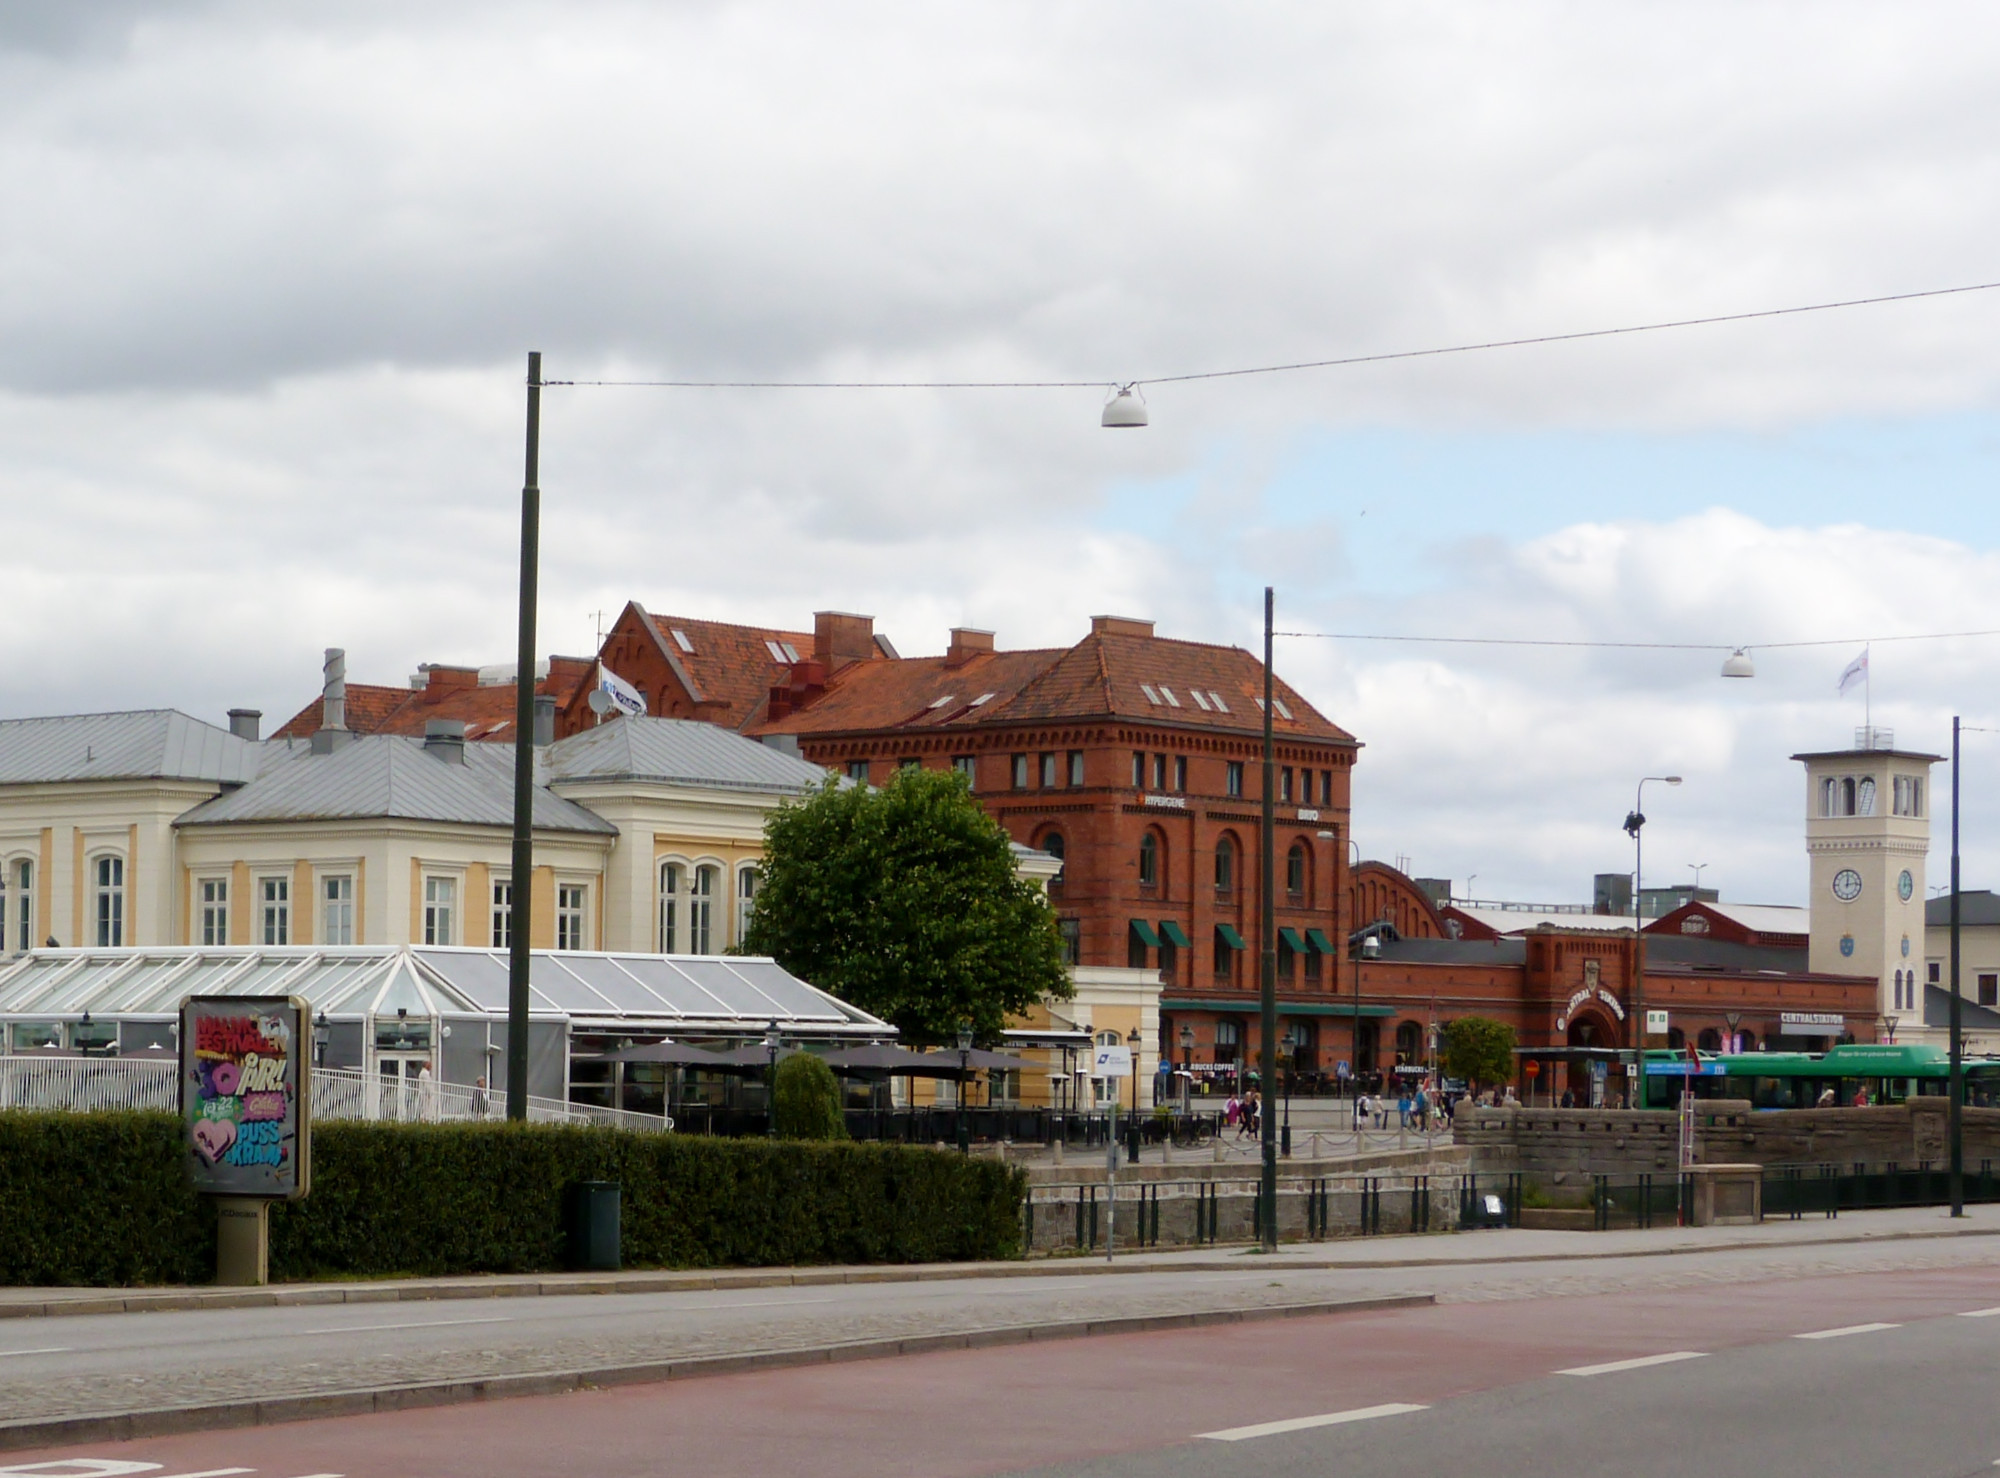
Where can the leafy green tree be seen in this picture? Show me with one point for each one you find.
(904, 901)
(806, 1097)
(1479, 1050)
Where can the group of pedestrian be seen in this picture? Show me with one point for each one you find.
(1418, 1107)
(1245, 1113)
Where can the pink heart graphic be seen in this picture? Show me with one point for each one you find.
(213, 1137)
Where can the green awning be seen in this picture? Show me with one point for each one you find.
(1229, 936)
(1247, 1005)
(1174, 935)
(1292, 940)
(1146, 935)
(1320, 942)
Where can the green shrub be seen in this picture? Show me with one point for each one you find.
(104, 1199)
(808, 1099)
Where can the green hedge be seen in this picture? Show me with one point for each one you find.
(102, 1199)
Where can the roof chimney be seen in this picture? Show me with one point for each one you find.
(1120, 626)
(545, 719)
(840, 638)
(333, 731)
(445, 738)
(243, 722)
(967, 642)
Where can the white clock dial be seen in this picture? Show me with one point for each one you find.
(1847, 885)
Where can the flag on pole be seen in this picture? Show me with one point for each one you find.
(620, 692)
(1855, 672)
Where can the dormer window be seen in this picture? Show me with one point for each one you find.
(681, 641)
(1151, 696)
(1283, 712)
(1216, 698)
(1199, 701)
(1168, 694)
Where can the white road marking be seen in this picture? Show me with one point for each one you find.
(1301, 1423)
(1611, 1367)
(1846, 1329)
(1979, 1314)
(209, 1473)
(47, 1350)
(414, 1324)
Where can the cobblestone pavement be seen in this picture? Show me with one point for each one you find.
(131, 1361)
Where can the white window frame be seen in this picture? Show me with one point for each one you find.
(703, 890)
(439, 924)
(274, 912)
(572, 914)
(335, 903)
(107, 900)
(671, 875)
(211, 910)
(749, 878)
(17, 906)
(500, 919)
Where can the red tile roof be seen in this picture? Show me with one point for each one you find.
(487, 711)
(732, 665)
(1104, 675)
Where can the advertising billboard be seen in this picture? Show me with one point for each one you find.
(245, 1080)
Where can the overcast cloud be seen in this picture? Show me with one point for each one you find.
(271, 271)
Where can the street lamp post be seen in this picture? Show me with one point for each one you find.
(322, 1034)
(1955, 1098)
(1267, 1182)
(1732, 1019)
(1370, 948)
(964, 1084)
(771, 1044)
(522, 880)
(1635, 823)
(1132, 1129)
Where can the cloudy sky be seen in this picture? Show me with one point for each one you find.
(270, 272)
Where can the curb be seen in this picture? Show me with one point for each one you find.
(535, 1286)
(223, 1415)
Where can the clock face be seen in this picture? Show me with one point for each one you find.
(1905, 886)
(1847, 885)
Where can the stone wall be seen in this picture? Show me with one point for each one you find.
(1556, 1146)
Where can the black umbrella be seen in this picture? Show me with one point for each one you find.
(881, 1057)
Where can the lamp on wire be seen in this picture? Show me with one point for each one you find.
(1124, 409)
(1738, 664)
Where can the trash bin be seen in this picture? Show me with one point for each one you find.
(590, 1224)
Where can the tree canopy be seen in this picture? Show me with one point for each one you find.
(904, 901)
(1479, 1050)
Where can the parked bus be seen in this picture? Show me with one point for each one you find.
(1786, 1080)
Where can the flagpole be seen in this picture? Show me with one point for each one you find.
(1868, 695)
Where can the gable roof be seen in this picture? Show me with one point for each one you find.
(1977, 908)
(390, 777)
(677, 751)
(486, 709)
(146, 744)
(917, 692)
(729, 665)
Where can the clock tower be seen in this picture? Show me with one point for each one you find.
(1868, 828)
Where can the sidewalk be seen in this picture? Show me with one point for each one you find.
(1437, 1250)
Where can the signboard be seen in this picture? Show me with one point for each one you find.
(1656, 1022)
(244, 1085)
(1113, 1062)
(1812, 1023)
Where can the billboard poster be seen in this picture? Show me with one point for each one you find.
(244, 1085)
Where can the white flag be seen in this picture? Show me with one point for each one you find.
(1855, 672)
(621, 692)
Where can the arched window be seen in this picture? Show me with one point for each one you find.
(1225, 865)
(1710, 1040)
(17, 908)
(1847, 796)
(1149, 860)
(1295, 870)
(673, 883)
(1829, 796)
(109, 909)
(748, 879)
(1053, 844)
(1228, 1040)
(1409, 1042)
(701, 911)
(1676, 1038)
(1864, 797)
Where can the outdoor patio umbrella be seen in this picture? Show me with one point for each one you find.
(882, 1057)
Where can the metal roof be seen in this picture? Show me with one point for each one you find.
(1977, 908)
(394, 776)
(703, 994)
(149, 744)
(678, 752)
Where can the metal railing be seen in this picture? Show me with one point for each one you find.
(90, 1084)
(1796, 1191)
(1060, 1218)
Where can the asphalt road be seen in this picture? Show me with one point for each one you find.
(1741, 1370)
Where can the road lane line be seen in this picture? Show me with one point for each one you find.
(47, 1350)
(1979, 1314)
(1846, 1329)
(415, 1324)
(1301, 1423)
(209, 1473)
(1611, 1367)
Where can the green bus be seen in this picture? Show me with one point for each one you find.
(1786, 1080)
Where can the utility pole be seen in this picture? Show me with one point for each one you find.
(1956, 1095)
(1267, 1188)
(521, 885)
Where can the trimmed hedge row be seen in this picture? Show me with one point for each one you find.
(102, 1199)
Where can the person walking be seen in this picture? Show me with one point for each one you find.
(480, 1105)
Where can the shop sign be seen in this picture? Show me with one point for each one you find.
(1812, 1023)
(243, 1089)
(1581, 997)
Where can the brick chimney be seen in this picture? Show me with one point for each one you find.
(840, 638)
(967, 642)
(440, 681)
(1120, 626)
